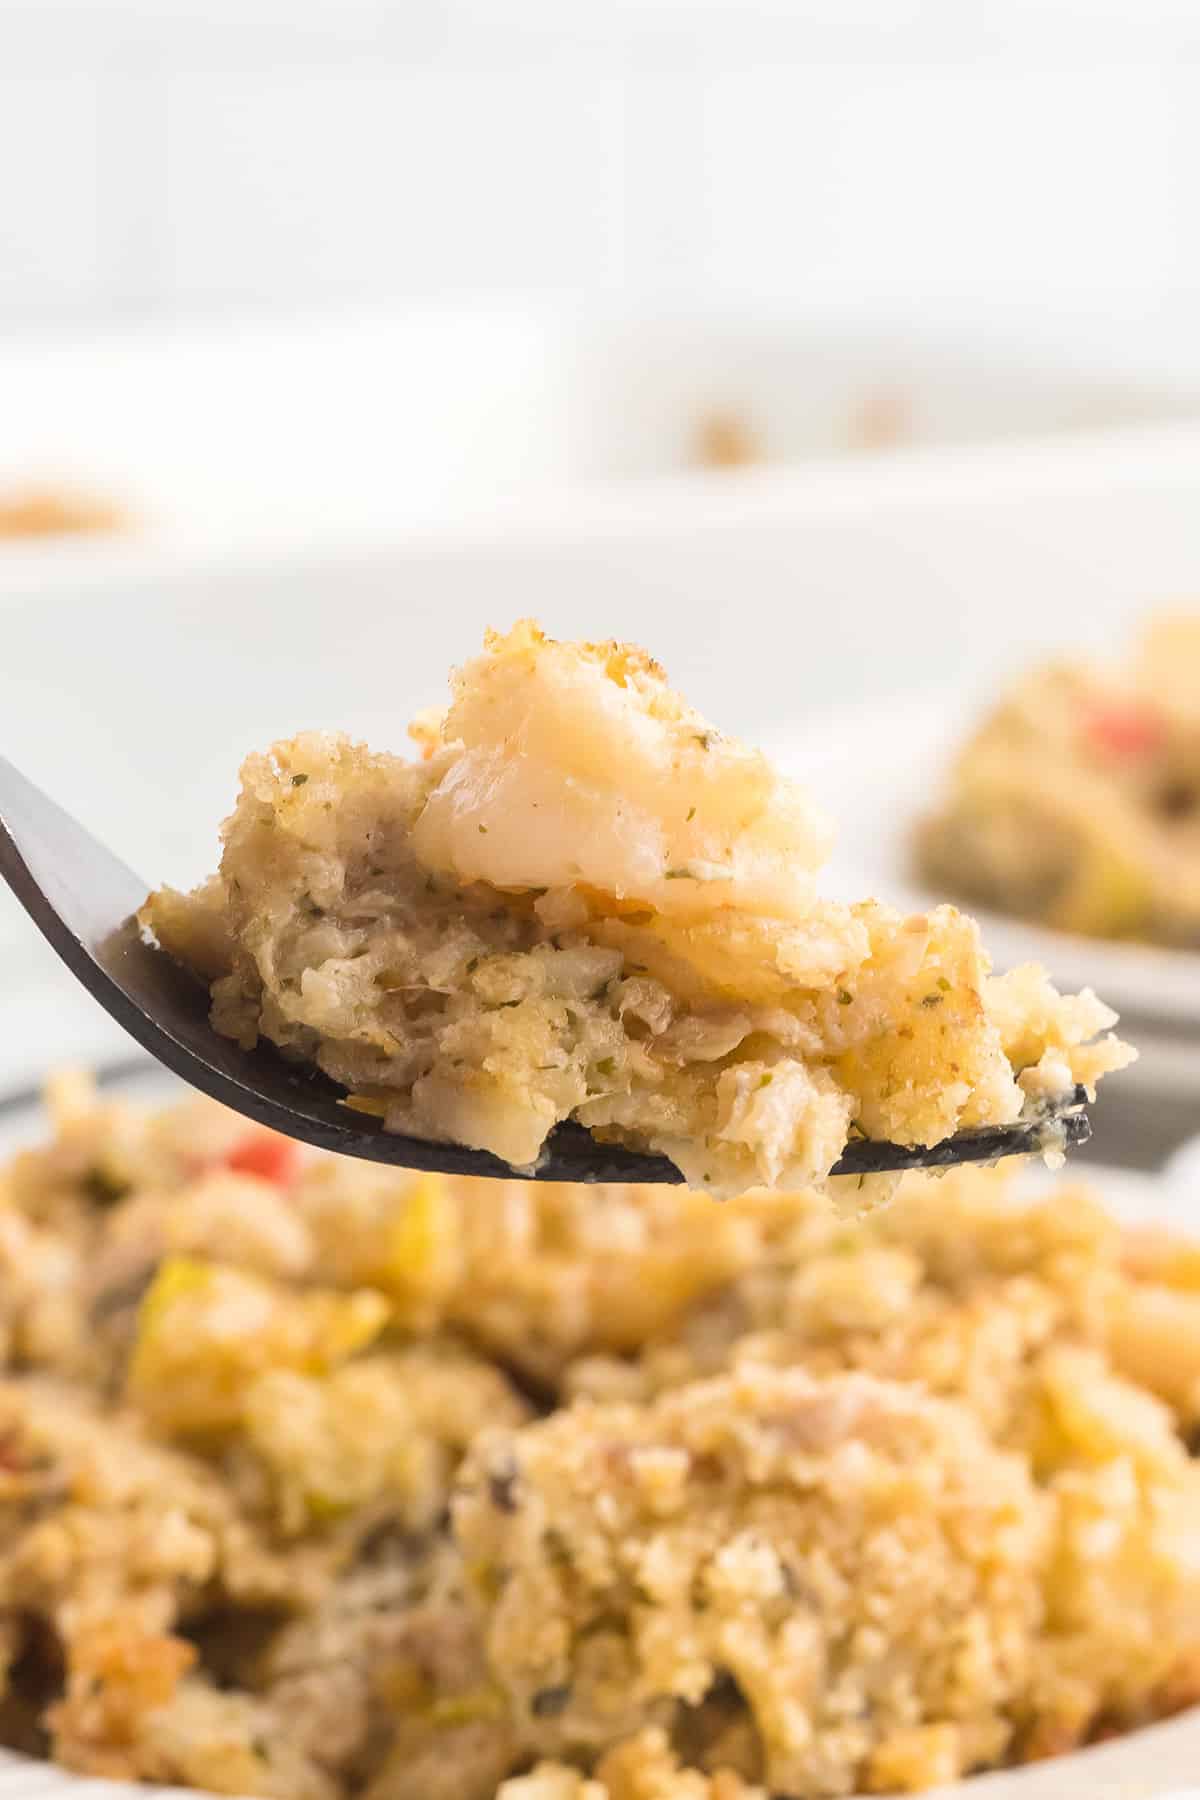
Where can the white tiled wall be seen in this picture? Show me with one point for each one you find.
(51, 132)
(1010, 155)
(437, 177)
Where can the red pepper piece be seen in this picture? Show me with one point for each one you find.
(265, 1154)
(1123, 730)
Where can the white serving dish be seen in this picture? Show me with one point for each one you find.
(1154, 1764)
(346, 428)
(1159, 1763)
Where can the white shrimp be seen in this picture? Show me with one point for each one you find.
(563, 765)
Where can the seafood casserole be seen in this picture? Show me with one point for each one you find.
(1076, 802)
(585, 903)
(323, 1482)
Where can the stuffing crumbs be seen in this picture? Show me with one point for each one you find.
(585, 903)
(323, 1482)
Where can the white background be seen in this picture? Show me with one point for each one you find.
(1028, 159)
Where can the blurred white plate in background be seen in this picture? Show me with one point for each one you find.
(877, 767)
(293, 432)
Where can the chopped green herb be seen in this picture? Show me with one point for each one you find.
(483, 831)
(606, 1065)
(691, 814)
(455, 1710)
(472, 965)
(932, 999)
(845, 997)
(943, 984)
(299, 780)
(679, 875)
(766, 1080)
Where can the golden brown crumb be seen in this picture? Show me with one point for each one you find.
(749, 1500)
(726, 440)
(53, 512)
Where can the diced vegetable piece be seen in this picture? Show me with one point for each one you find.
(1123, 730)
(206, 1331)
(267, 1154)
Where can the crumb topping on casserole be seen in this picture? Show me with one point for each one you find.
(586, 903)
